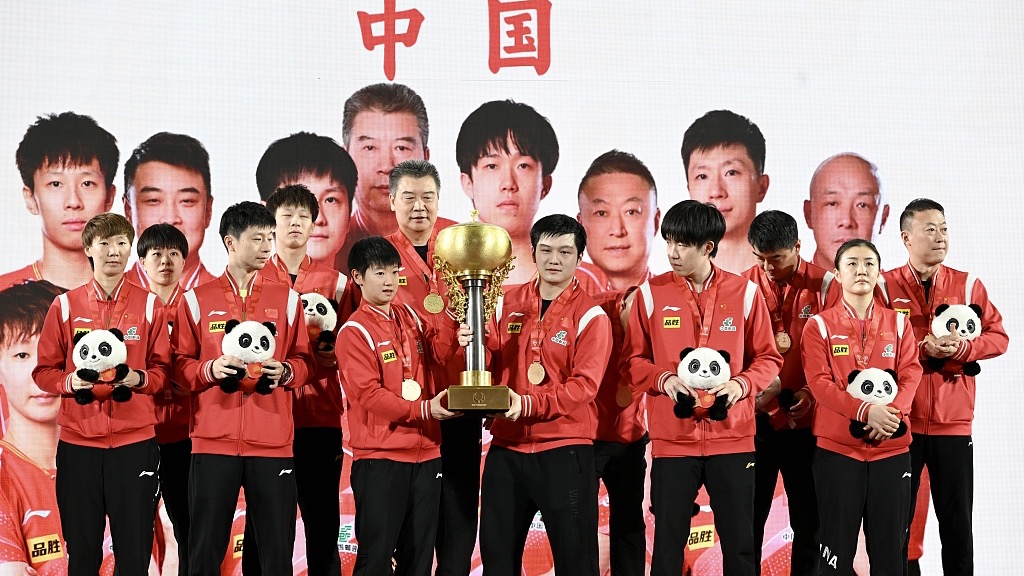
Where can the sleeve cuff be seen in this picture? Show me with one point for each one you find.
(862, 412)
(744, 385)
(143, 379)
(961, 353)
(527, 409)
(662, 379)
(207, 373)
(67, 384)
(425, 410)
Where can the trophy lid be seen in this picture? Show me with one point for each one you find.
(473, 247)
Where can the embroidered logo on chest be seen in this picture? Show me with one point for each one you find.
(889, 351)
(727, 325)
(559, 338)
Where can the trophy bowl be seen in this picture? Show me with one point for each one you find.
(473, 249)
(474, 259)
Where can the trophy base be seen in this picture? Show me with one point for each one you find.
(475, 394)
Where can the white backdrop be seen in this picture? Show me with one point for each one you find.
(933, 93)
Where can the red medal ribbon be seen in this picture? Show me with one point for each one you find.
(231, 296)
(911, 277)
(702, 312)
(402, 348)
(868, 332)
(284, 276)
(427, 272)
(779, 299)
(115, 314)
(540, 331)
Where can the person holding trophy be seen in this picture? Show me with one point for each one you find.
(549, 343)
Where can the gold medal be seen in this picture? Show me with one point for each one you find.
(535, 374)
(623, 396)
(783, 342)
(433, 303)
(411, 390)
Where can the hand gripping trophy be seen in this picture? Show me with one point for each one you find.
(474, 259)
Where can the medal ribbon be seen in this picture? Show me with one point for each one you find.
(544, 324)
(285, 277)
(702, 316)
(911, 277)
(426, 270)
(869, 331)
(248, 302)
(780, 300)
(119, 306)
(402, 347)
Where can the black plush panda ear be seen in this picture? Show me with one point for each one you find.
(852, 376)
(892, 373)
(230, 325)
(685, 352)
(117, 334)
(725, 355)
(334, 304)
(942, 308)
(977, 309)
(78, 336)
(270, 326)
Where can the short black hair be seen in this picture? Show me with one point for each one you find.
(915, 206)
(693, 223)
(178, 150)
(494, 125)
(294, 196)
(66, 139)
(240, 217)
(773, 230)
(305, 154)
(413, 169)
(856, 242)
(23, 309)
(161, 237)
(724, 128)
(558, 225)
(618, 162)
(373, 251)
(385, 98)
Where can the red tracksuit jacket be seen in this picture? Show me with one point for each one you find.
(664, 320)
(944, 404)
(831, 343)
(238, 424)
(416, 280)
(140, 316)
(575, 341)
(617, 423)
(808, 292)
(319, 403)
(374, 348)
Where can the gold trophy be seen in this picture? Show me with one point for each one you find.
(474, 259)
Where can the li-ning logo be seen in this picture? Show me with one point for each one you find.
(805, 312)
(560, 338)
(727, 325)
(515, 327)
(132, 334)
(888, 352)
(403, 281)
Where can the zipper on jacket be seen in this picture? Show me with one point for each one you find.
(241, 422)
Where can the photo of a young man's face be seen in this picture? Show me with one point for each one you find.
(727, 177)
(66, 197)
(506, 188)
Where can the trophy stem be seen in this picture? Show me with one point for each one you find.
(475, 359)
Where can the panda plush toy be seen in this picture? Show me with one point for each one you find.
(100, 356)
(321, 318)
(253, 343)
(874, 386)
(703, 369)
(960, 319)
